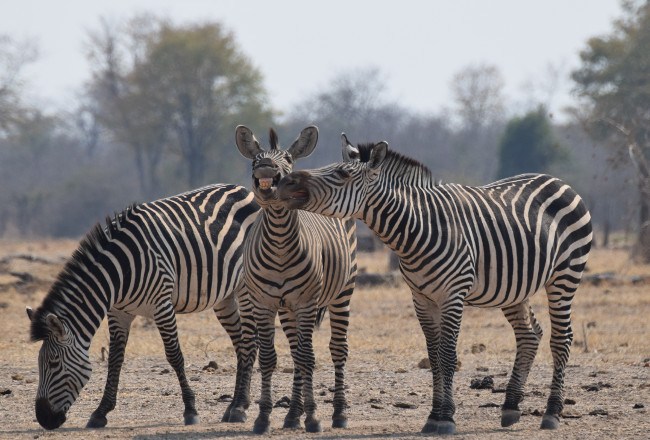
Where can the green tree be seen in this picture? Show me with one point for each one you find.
(614, 82)
(160, 88)
(528, 145)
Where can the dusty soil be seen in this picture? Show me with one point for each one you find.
(608, 378)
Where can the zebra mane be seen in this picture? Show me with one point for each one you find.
(400, 167)
(96, 238)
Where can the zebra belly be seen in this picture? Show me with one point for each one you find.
(195, 300)
(510, 292)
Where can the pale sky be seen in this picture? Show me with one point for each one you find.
(301, 45)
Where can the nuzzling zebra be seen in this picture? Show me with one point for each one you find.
(180, 254)
(487, 246)
(296, 264)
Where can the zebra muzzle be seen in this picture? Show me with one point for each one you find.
(46, 416)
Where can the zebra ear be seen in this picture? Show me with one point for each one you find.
(378, 154)
(248, 146)
(306, 142)
(350, 152)
(30, 313)
(55, 325)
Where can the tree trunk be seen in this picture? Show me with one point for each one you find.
(643, 174)
(643, 245)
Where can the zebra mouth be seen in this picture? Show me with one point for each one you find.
(295, 199)
(267, 184)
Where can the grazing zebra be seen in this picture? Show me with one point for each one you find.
(487, 246)
(296, 264)
(180, 254)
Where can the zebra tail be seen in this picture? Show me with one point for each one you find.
(320, 315)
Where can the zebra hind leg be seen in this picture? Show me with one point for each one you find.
(237, 324)
(528, 334)
(339, 321)
(165, 319)
(307, 362)
(267, 360)
(560, 294)
(119, 324)
(296, 407)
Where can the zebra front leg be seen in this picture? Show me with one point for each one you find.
(559, 303)
(229, 315)
(296, 407)
(268, 360)
(339, 321)
(306, 361)
(528, 334)
(165, 319)
(119, 324)
(451, 313)
(428, 314)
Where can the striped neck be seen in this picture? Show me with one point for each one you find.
(393, 211)
(86, 288)
(280, 229)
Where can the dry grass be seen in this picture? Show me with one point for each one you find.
(386, 344)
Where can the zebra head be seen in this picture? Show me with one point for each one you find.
(63, 367)
(337, 190)
(269, 166)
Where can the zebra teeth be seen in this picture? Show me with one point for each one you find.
(265, 183)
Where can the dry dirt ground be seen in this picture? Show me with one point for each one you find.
(607, 381)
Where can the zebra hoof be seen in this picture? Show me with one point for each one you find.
(226, 415)
(313, 425)
(291, 423)
(509, 417)
(237, 416)
(550, 421)
(339, 422)
(96, 421)
(262, 426)
(446, 427)
(191, 419)
(431, 427)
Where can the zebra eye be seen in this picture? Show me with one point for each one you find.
(288, 158)
(342, 174)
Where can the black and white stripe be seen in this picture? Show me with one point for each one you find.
(180, 254)
(295, 264)
(489, 246)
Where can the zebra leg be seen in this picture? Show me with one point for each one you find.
(560, 295)
(165, 319)
(528, 334)
(451, 313)
(428, 314)
(268, 360)
(339, 321)
(119, 324)
(296, 408)
(306, 361)
(228, 314)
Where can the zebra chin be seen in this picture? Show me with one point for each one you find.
(46, 416)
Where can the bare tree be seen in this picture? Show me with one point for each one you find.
(14, 56)
(161, 88)
(478, 94)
